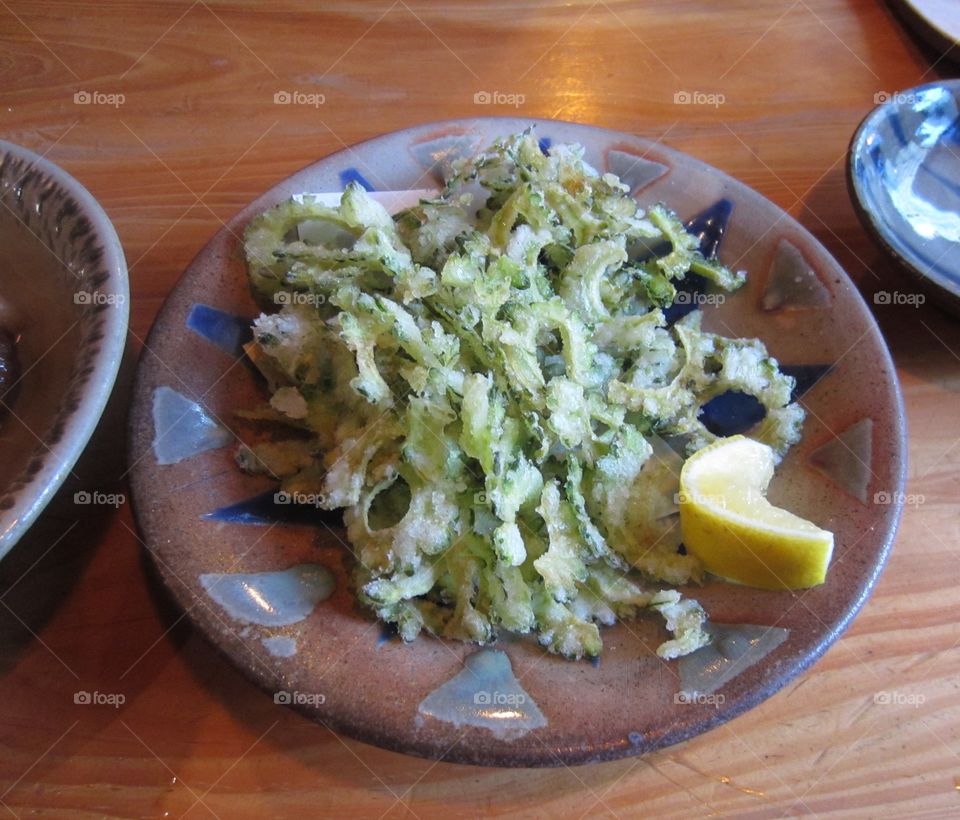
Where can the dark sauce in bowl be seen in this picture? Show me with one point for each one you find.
(9, 369)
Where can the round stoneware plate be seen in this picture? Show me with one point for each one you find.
(267, 582)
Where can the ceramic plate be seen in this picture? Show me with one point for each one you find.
(903, 170)
(267, 582)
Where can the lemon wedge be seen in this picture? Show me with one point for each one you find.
(727, 522)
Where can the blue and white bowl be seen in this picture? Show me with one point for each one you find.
(904, 174)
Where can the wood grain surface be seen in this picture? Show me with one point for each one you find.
(191, 133)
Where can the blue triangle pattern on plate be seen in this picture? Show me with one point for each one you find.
(545, 143)
(388, 633)
(349, 175)
(805, 375)
(731, 413)
(708, 226)
(227, 331)
(735, 412)
(265, 509)
(692, 283)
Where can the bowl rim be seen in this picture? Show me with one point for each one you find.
(38, 489)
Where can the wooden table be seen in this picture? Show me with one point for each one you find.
(196, 135)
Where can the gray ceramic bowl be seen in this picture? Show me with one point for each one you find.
(63, 293)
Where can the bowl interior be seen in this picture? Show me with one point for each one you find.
(904, 170)
(36, 305)
(63, 295)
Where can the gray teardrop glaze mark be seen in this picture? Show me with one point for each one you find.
(270, 598)
(734, 648)
(281, 646)
(792, 283)
(181, 427)
(438, 155)
(847, 459)
(636, 171)
(485, 693)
